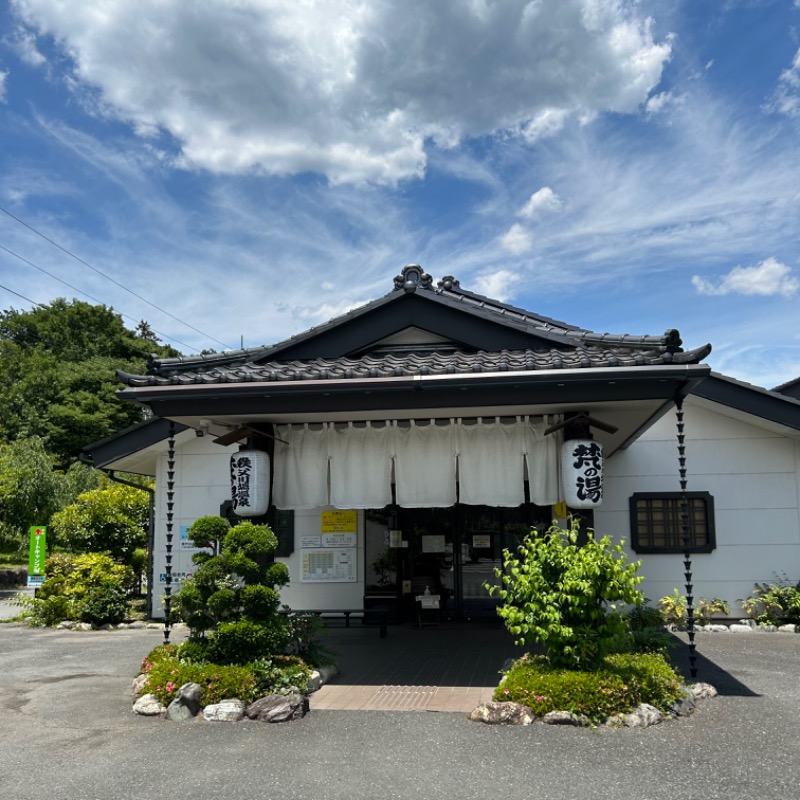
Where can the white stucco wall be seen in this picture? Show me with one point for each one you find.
(754, 476)
(202, 484)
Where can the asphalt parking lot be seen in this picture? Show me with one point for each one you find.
(68, 733)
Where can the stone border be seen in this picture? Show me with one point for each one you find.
(645, 715)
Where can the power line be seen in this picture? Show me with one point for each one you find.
(22, 296)
(109, 278)
(85, 294)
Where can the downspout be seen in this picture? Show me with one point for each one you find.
(151, 532)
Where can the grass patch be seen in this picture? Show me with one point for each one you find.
(622, 682)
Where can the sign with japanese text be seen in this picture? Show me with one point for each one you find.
(37, 555)
(582, 473)
(339, 521)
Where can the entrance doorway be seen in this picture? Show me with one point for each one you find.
(451, 552)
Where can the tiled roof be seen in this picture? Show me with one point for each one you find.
(561, 346)
(397, 365)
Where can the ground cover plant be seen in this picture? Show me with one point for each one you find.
(571, 600)
(168, 667)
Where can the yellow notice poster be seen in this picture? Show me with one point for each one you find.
(339, 521)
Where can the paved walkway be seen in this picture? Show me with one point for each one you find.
(446, 668)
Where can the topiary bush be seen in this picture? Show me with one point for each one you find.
(232, 599)
(563, 596)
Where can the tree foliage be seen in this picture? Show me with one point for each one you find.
(57, 374)
(112, 519)
(563, 595)
(32, 489)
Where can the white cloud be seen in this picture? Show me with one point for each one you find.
(660, 102)
(23, 42)
(498, 285)
(353, 89)
(3, 77)
(541, 201)
(767, 278)
(517, 240)
(786, 98)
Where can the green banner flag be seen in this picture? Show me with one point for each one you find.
(38, 551)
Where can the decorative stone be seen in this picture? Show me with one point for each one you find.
(228, 710)
(787, 629)
(766, 628)
(714, 628)
(66, 625)
(740, 628)
(278, 708)
(615, 721)
(702, 691)
(139, 682)
(643, 716)
(751, 623)
(186, 703)
(83, 626)
(565, 718)
(148, 705)
(502, 713)
(137, 624)
(683, 707)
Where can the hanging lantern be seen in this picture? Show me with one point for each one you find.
(582, 472)
(250, 483)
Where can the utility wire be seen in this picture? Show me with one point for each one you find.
(85, 294)
(27, 299)
(116, 283)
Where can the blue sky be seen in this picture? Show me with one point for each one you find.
(257, 167)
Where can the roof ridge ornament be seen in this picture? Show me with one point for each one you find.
(449, 283)
(411, 278)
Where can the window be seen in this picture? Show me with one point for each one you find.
(656, 525)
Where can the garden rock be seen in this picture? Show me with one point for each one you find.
(320, 676)
(186, 703)
(713, 628)
(139, 682)
(229, 710)
(148, 705)
(565, 718)
(278, 708)
(702, 691)
(683, 707)
(740, 628)
(787, 629)
(643, 716)
(502, 713)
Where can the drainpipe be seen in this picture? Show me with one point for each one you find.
(151, 532)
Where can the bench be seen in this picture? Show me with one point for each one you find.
(366, 615)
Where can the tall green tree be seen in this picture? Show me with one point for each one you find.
(32, 489)
(57, 374)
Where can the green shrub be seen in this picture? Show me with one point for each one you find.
(776, 603)
(169, 667)
(706, 609)
(305, 631)
(647, 629)
(92, 588)
(673, 608)
(563, 595)
(244, 640)
(617, 686)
